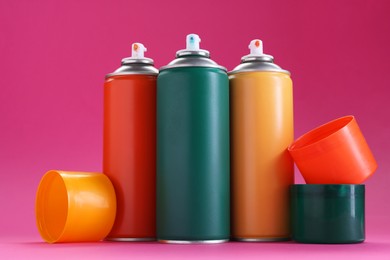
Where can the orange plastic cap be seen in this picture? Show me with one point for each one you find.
(75, 206)
(334, 153)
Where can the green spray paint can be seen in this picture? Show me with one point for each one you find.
(193, 149)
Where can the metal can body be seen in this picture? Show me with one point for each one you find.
(261, 168)
(193, 155)
(129, 153)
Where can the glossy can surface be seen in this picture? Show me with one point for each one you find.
(262, 170)
(129, 153)
(327, 214)
(193, 155)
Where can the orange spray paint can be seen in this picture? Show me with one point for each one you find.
(262, 170)
(129, 145)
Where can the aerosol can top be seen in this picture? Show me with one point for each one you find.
(192, 56)
(256, 60)
(256, 52)
(137, 55)
(193, 47)
(136, 64)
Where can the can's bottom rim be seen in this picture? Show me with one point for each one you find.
(261, 239)
(214, 241)
(130, 239)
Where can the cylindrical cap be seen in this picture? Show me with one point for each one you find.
(334, 153)
(327, 214)
(75, 206)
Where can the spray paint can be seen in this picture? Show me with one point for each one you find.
(261, 130)
(193, 149)
(129, 147)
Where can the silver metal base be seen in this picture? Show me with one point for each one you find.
(130, 239)
(262, 239)
(217, 241)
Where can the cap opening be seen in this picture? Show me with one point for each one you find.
(51, 207)
(320, 133)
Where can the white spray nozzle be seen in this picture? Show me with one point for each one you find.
(137, 50)
(193, 41)
(256, 47)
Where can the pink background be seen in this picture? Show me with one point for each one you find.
(54, 56)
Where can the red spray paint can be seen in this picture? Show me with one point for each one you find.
(129, 147)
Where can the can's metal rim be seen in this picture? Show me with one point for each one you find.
(203, 53)
(135, 66)
(136, 60)
(134, 69)
(251, 58)
(193, 61)
(131, 73)
(258, 66)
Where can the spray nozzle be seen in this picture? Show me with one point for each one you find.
(256, 48)
(193, 41)
(256, 52)
(192, 48)
(137, 50)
